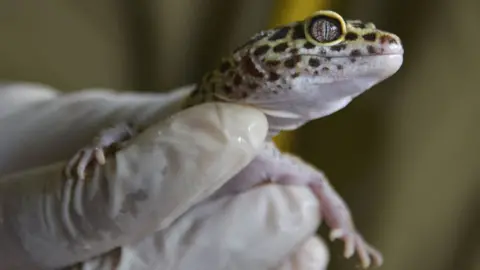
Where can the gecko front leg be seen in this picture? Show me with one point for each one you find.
(95, 152)
(274, 166)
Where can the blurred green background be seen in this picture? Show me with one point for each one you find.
(405, 155)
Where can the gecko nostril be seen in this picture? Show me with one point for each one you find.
(388, 39)
(392, 41)
(390, 44)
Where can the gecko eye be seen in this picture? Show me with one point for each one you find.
(326, 28)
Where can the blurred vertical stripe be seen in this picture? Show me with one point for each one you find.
(286, 11)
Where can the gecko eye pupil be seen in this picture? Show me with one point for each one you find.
(325, 29)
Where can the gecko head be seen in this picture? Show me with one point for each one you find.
(304, 70)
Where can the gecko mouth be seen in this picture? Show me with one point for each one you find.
(354, 55)
(396, 58)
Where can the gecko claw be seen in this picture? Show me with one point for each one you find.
(79, 163)
(100, 156)
(364, 258)
(335, 234)
(349, 247)
(376, 256)
(90, 154)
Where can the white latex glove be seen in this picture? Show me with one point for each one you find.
(143, 209)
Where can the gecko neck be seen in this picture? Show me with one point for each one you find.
(279, 120)
(282, 115)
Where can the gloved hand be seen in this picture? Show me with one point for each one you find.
(145, 208)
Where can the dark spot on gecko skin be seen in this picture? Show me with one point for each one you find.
(328, 59)
(261, 50)
(353, 59)
(295, 75)
(280, 34)
(355, 53)
(272, 63)
(323, 52)
(371, 49)
(315, 72)
(338, 48)
(292, 61)
(297, 58)
(308, 45)
(249, 67)
(237, 80)
(289, 63)
(351, 36)
(294, 51)
(273, 76)
(370, 37)
(325, 69)
(339, 67)
(280, 47)
(314, 62)
(298, 32)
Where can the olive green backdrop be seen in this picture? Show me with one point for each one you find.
(405, 155)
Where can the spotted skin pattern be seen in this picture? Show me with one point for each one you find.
(294, 73)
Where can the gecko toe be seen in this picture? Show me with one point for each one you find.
(83, 162)
(100, 156)
(349, 246)
(336, 234)
(69, 167)
(376, 256)
(364, 256)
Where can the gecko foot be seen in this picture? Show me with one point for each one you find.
(354, 242)
(338, 217)
(95, 152)
(78, 164)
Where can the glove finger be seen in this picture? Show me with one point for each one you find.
(311, 255)
(253, 230)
